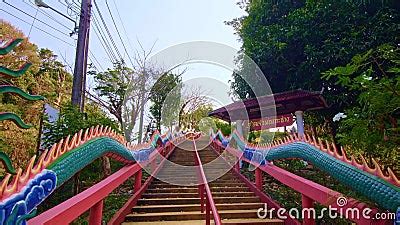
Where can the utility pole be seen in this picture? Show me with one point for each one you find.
(79, 80)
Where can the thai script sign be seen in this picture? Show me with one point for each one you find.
(271, 122)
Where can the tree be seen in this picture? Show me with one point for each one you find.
(371, 125)
(198, 118)
(58, 78)
(225, 128)
(163, 109)
(293, 42)
(193, 98)
(46, 77)
(112, 87)
(71, 121)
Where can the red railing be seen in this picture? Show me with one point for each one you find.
(311, 192)
(205, 188)
(92, 198)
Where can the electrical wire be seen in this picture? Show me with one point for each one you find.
(22, 11)
(123, 26)
(92, 57)
(103, 41)
(45, 13)
(119, 35)
(30, 29)
(38, 28)
(95, 60)
(107, 30)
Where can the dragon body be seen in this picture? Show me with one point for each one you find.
(20, 197)
(370, 182)
(21, 191)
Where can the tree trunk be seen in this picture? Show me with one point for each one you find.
(77, 183)
(106, 166)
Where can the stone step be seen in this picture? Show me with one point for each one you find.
(193, 207)
(191, 215)
(195, 189)
(252, 222)
(212, 179)
(219, 183)
(214, 184)
(181, 222)
(163, 179)
(185, 201)
(194, 195)
(165, 203)
(202, 222)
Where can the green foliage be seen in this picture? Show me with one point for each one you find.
(223, 126)
(294, 41)
(46, 77)
(371, 126)
(121, 91)
(165, 96)
(305, 43)
(198, 119)
(113, 85)
(71, 121)
(264, 136)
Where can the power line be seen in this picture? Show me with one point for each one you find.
(30, 29)
(105, 47)
(34, 18)
(75, 10)
(103, 39)
(107, 30)
(38, 28)
(92, 57)
(95, 59)
(46, 14)
(120, 38)
(123, 26)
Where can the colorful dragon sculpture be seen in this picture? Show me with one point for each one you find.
(366, 180)
(28, 188)
(21, 191)
(20, 197)
(8, 73)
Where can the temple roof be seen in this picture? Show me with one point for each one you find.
(285, 103)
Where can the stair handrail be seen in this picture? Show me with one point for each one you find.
(93, 198)
(311, 192)
(210, 204)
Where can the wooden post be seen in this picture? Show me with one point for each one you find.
(300, 123)
(237, 164)
(208, 209)
(153, 164)
(259, 178)
(138, 181)
(96, 214)
(201, 188)
(308, 203)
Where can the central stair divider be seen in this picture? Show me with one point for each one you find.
(204, 188)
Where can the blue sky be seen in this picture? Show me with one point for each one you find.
(165, 22)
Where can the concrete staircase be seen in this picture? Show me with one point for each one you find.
(172, 198)
(241, 204)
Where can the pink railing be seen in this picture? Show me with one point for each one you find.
(310, 191)
(205, 188)
(92, 199)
